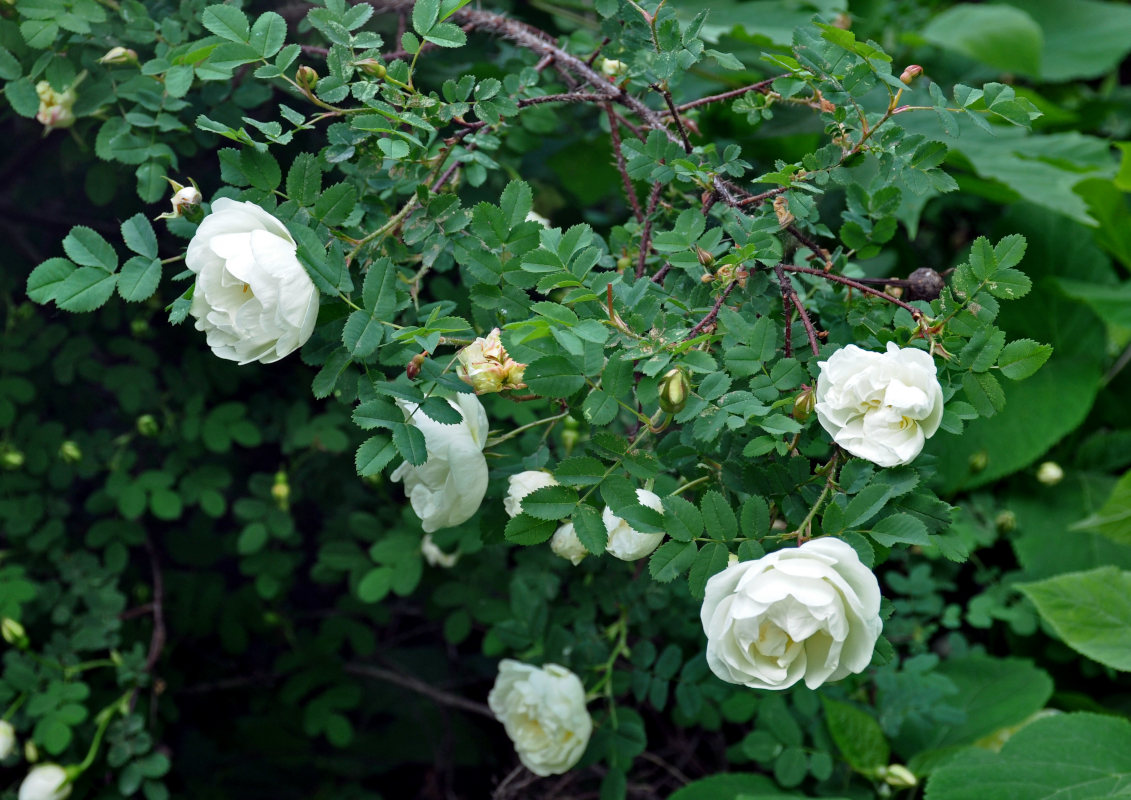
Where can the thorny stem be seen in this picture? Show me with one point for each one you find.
(385, 229)
(804, 529)
(789, 297)
(622, 167)
(713, 314)
(760, 86)
(831, 276)
(667, 95)
(646, 234)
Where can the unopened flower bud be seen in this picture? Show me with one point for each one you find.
(613, 68)
(707, 277)
(674, 389)
(570, 434)
(705, 258)
(623, 263)
(70, 452)
(1005, 521)
(898, 776)
(485, 366)
(119, 55)
(910, 74)
(371, 66)
(281, 490)
(14, 633)
(55, 108)
(31, 752)
(978, 461)
(7, 739)
(306, 78)
(147, 426)
(11, 459)
(804, 404)
(412, 368)
(186, 202)
(1050, 473)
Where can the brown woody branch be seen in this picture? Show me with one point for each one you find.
(832, 276)
(713, 314)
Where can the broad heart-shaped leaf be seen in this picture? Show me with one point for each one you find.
(993, 693)
(998, 35)
(1066, 757)
(1090, 611)
(1113, 520)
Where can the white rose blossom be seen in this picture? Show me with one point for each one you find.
(522, 484)
(253, 299)
(543, 711)
(880, 406)
(7, 739)
(565, 544)
(625, 542)
(46, 782)
(807, 613)
(435, 556)
(447, 488)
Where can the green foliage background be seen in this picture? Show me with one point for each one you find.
(303, 647)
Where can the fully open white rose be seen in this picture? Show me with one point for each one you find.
(543, 710)
(447, 488)
(807, 613)
(880, 406)
(45, 782)
(625, 542)
(522, 484)
(564, 543)
(253, 299)
(7, 739)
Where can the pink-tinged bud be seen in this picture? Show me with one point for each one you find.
(485, 366)
(306, 78)
(119, 55)
(910, 74)
(412, 369)
(706, 260)
(55, 108)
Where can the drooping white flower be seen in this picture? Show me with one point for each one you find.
(522, 484)
(543, 711)
(880, 406)
(46, 782)
(7, 739)
(625, 542)
(447, 488)
(435, 556)
(252, 298)
(564, 543)
(807, 613)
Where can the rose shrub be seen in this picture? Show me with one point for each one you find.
(543, 711)
(252, 298)
(880, 406)
(808, 613)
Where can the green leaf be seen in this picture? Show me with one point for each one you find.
(718, 517)
(139, 278)
(22, 97)
(550, 502)
(755, 517)
(137, 232)
(335, 204)
(527, 530)
(227, 22)
(730, 786)
(590, 529)
(1001, 36)
(9, 66)
(712, 558)
(410, 443)
(553, 376)
(304, 179)
(1090, 611)
(85, 289)
(328, 270)
(445, 34)
(579, 471)
(1009, 251)
(362, 334)
(682, 519)
(1022, 358)
(44, 282)
(1067, 757)
(599, 408)
(671, 559)
(424, 15)
(89, 249)
(374, 454)
(900, 529)
(375, 585)
(1009, 284)
(516, 201)
(865, 505)
(327, 377)
(260, 168)
(984, 393)
(268, 34)
(1113, 519)
(858, 736)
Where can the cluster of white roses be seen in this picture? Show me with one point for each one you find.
(43, 781)
(808, 613)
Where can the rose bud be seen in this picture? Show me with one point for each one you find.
(119, 55)
(371, 66)
(1050, 473)
(674, 389)
(306, 78)
(910, 74)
